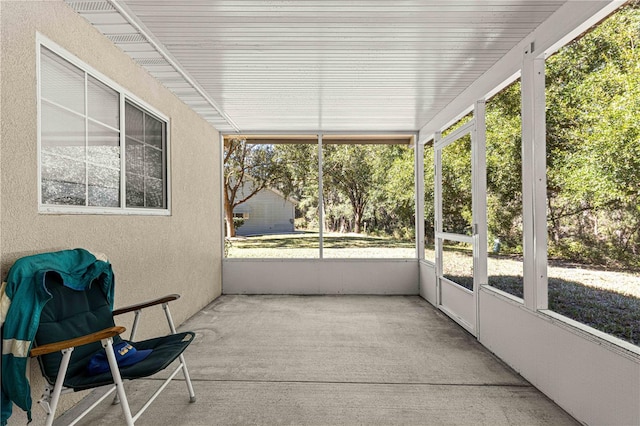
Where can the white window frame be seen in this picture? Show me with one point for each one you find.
(124, 96)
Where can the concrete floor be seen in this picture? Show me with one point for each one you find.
(325, 360)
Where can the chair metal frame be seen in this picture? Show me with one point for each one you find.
(51, 394)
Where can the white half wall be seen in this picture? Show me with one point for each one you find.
(595, 381)
(320, 276)
(458, 303)
(428, 282)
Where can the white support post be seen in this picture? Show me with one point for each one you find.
(437, 200)
(534, 182)
(320, 198)
(540, 183)
(223, 224)
(418, 153)
(479, 204)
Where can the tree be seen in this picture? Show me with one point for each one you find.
(348, 169)
(504, 168)
(456, 187)
(393, 195)
(248, 169)
(593, 142)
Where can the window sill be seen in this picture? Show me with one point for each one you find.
(57, 210)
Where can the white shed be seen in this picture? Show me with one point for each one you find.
(267, 212)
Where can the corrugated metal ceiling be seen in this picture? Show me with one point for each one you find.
(317, 65)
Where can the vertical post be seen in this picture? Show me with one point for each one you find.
(418, 152)
(320, 198)
(437, 201)
(123, 154)
(540, 183)
(222, 222)
(534, 182)
(479, 204)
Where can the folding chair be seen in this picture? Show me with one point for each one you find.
(75, 325)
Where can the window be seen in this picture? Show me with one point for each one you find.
(241, 215)
(145, 159)
(84, 125)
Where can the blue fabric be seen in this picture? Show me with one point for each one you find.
(125, 354)
(27, 293)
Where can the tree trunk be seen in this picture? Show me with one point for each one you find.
(357, 221)
(555, 222)
(228, 218)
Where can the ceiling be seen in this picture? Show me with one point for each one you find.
(317, 65)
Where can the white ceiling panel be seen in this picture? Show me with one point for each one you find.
(317, 65)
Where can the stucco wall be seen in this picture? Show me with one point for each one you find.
(151, 256)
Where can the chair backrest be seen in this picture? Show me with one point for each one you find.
(69, 314)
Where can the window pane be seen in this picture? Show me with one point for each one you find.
(369, 201)
(62, 158)
(456, 187)
(135, 157)
(104, 182)
(63, 132)
(61, 82)
(63, 180)
(104, 146)
(103, 103)
(135, 190)
(145, 160)
(153, 193)
(104, 186)
(153, 162)
(134, 126)
(457, 263)
(153, 132)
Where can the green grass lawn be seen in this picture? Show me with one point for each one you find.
(306, 245)
(608, 301)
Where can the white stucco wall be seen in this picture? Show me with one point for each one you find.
(151, 256)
